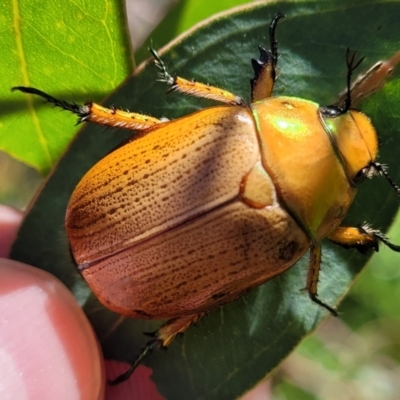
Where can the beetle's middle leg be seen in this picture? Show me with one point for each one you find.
(161, 338)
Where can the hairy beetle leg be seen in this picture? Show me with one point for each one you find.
(362, 238)
(193, 88)
(150, 346)
(261, 85)
(162, 338)
(312, 278)
(96, 113)
(119, 119)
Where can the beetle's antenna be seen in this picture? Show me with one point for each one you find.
(335, 110)
(81, 111)
(381, 169)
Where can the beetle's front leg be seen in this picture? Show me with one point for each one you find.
(161, 338)
(362, 238)
(314, 268)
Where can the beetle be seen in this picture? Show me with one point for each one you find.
(192, 213)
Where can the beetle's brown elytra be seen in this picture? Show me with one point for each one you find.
(197, 211)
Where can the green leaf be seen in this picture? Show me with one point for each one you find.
(183, 16)
(235, 346)
(62, 47)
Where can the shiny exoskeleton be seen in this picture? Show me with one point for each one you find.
(197, 211)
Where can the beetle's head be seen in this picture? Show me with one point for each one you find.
(355, 143)
(353, 136)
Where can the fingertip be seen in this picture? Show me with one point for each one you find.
(10, 219)
(47, 345)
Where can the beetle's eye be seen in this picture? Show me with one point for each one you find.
(361, 175)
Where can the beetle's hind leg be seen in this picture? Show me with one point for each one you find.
(161, 339)
(96, 113)
(193, 88)
(314, 268)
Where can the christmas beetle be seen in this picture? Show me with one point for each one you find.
(192, 213)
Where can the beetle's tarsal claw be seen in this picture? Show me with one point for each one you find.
(163, 75)
(350, 60)
(381, 169)
(264, 67)
(272, 39)
(81, 111)
(152, 345)
(380, 236)
(315, 299)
